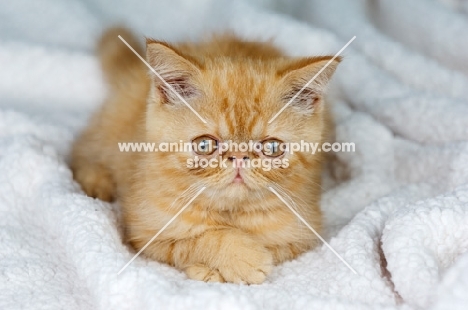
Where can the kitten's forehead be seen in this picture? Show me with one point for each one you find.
(241, 121)
(240, 99)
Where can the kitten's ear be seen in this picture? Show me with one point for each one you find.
(296, 74)
(177, 70)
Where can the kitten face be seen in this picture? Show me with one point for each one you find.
(237, 98)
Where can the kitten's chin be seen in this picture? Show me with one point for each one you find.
(236, 190)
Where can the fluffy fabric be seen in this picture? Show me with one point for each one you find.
(401, 219)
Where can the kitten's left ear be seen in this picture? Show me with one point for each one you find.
(177, 70)
(296, 74)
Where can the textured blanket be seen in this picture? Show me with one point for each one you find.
(400, 219)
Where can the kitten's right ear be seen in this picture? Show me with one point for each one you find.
(299, 72)
(176, 70)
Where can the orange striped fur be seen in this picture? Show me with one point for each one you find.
(231, 232)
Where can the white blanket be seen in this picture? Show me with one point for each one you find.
(400, 220)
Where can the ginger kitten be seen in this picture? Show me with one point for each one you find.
(236, 230)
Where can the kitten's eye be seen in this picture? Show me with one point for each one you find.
(272, 148)
(204, 145)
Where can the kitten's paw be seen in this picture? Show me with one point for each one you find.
(248, 263)
(96, 183)
(203, 273)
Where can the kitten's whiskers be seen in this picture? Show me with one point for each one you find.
(310, 227)
(163, 228)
